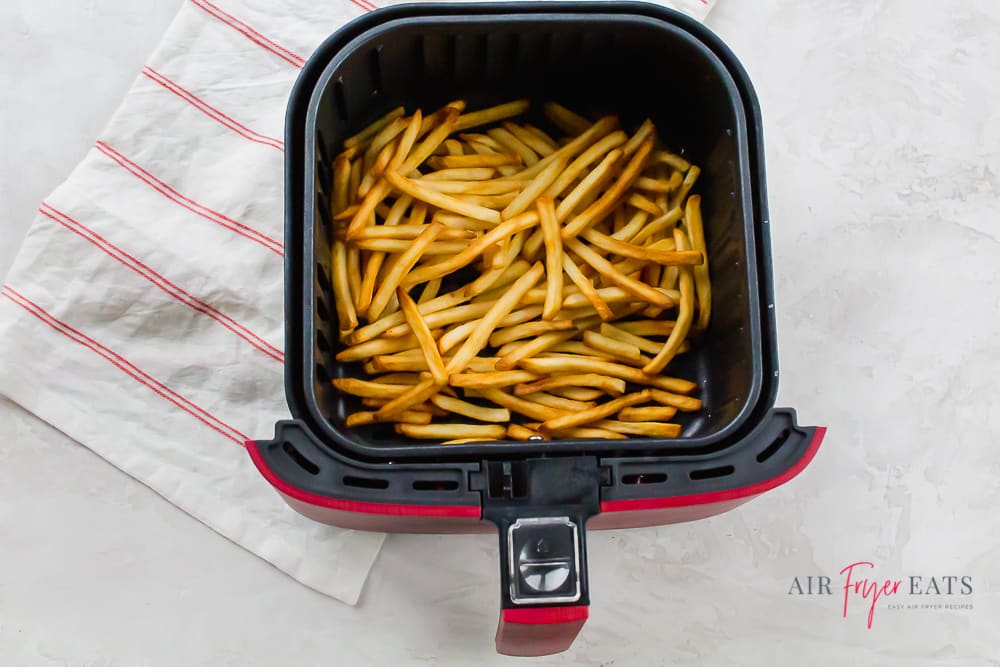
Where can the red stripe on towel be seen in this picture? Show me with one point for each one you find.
(268, 242)
(250, 33)
(125, 366)
(160, 281)
(211, 111)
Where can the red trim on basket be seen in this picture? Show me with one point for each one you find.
(160, 281)
(268, 242)
(361, 507)
(125, 366)
(250, 33)
(545, 615)
(211, 111)
(720, 496)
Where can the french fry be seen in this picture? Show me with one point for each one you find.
(343, 299)
(424, 337)
(641, 290)
(490, 379)
(419, 200)
(471, 410)
(475, 160)
(607, 385)
(534, 189)
(679, 401)
(578, 393)
(568, 121)
(702, 284)
(616, 348)
(648, 429)
(595, 413)
(473, 251)
(366, 388)
(529, 139)
(399, 267)
(373, 129)
(479, 337)
(554, 365)
(527, 330)
(453, 432)
(647, 414)
(685, 313)
(492, 114)
(363, 418)
(518, 432)
(553, 257)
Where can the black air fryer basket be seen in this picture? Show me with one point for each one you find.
(632, 59)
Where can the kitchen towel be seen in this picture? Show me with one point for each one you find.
(143, 315)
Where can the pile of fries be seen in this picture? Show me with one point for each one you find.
(484, 269)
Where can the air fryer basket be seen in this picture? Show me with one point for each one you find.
(631, 65)
(633, 59)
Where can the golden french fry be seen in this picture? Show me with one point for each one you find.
(568, 121)
(558, 402)
(471, 410)
(648, 414)
(644, 133)
(529, 139)
(604, 267)
(612, 195)
(518, 432)
(589, 433)
(366, 388)
(610, 244)
(399, 267)
(468, 176)
(434, 198)
(461, 332)
(534, 189)
(453, 147)
(424, 337)
(578, 393)
(679, 401)
(341, 183)
(616, 348)
(343, 300)
(363, 418)
(473, 251)
(399, 378)
(512, 143)
(453, 432)
(490, 379)
(595, 413)
(479, 337)
(475, 160)
(689, 181)
(354, 273)
(520, 405)
(373, 129)
(658, 185)
(527, 330)
(586, 287)
(649, 429)
(664, 222)
(554, 365)
(685, 313)
(590, 184)
(702, 284)
(414, 395)
(492, 114)
(644, 344)
(647, 327)
(541, 137)
(675, 161)
(553, 257)
(608, 385)
(376, 346)
(643, 203)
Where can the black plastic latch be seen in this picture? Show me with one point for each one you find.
(540, 507)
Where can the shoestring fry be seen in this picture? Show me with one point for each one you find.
(495, 281)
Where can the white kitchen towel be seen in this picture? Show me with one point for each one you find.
(143, 315)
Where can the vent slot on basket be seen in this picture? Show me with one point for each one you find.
(435, 485)
(645, 478)
(366, 482)
(339, 99)
(321, 342)
(300, 459)
(773, 448)
(375, 64)
(711, 473)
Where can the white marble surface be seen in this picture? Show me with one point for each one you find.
(883, 147)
